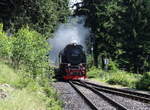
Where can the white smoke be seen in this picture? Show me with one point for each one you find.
(71, 4)
(71, 32)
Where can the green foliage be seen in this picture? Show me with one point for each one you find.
(116, 77)
(33, 94)
(40, 15)
(89, 62)
(28, 101)
(25, 48)
(94, 72)
(31, 75)
(144, 82)
(122, 78)
(121, 29)
(30, 49)
(5, 44)
(112, 65)
(6, 71)
(98, 74)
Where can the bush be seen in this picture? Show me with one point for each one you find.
(5, 44)
(90, 61)
(116, 77)
(113, 65)
(25, 48)
(144, 82)
(30, 49)
(119, 77)
(98, 73)
(94, 72)
(122, 78)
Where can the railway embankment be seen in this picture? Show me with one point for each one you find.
(19, 92)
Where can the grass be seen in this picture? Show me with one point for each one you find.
(23, 100)
(144, 82)
(123, 78)
(7, 74)
(119, 77)
(24, 93)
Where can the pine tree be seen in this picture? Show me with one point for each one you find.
(121, 29)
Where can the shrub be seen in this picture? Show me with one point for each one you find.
(89, 61)
(144, 82)
(95, 73)
(30, 49)
(5, 44)
(122, 78)
(112, 65)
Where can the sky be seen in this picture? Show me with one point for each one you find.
(73, 2)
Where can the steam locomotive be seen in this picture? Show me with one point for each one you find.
(72, 63)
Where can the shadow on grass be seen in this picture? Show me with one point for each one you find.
(90, 77)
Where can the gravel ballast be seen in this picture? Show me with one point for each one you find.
(129, 103)
(100, 103)
(71, 99)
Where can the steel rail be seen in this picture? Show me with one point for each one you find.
(126, 93)
(92, 106)
(121, 90)
(112, 102)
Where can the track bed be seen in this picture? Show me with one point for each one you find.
(70, 98)
(81, 95)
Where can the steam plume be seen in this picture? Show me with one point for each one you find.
(71, 32)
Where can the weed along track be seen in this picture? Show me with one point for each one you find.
(100, 97)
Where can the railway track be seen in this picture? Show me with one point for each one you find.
(84, 97)
(126, 93)
(100, 94)
(101, 90)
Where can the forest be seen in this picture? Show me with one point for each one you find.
(120, 32)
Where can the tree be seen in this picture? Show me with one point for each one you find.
(41, 15)
(121, 29)
(30, 49)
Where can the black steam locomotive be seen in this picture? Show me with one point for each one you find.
(72, 63)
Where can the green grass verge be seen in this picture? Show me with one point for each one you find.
(119, 77)
(25, 93)
(7, 74)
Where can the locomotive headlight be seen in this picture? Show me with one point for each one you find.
(69, 64)
(80, 64)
